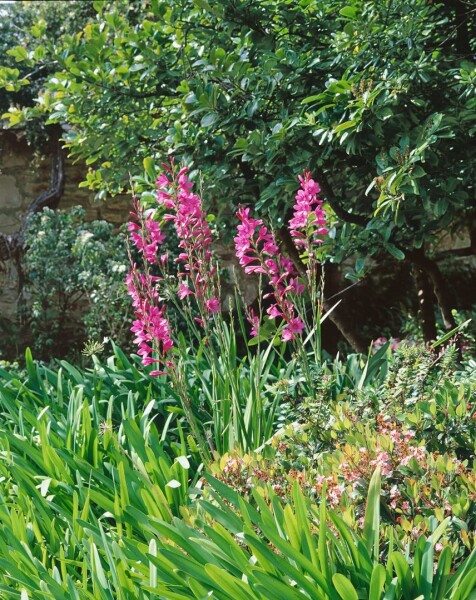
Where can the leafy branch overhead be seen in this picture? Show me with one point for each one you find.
(354, 91)
(377, 98)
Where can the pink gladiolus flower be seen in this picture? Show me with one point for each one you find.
(147, 236)
(184, 291)
(294, 327)
(257, 252)
(195, 238)
(253, 319)
(213, 305)
(307, 225)
(273, 312)
(151, 328)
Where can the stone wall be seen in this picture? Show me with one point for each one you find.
(24, 174)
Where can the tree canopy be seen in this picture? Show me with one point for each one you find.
(376, 98)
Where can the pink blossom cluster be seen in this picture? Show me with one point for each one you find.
(151, 328)
(307, 225)
(195, 238)
(392, 451)
(198, 278)
(334, 489)
(145, 234)
(381, 341)
(258, 252)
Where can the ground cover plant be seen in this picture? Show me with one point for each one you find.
(102, 498)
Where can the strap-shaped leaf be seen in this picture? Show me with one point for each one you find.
(372, 516)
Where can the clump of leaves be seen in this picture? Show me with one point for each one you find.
(75, 281)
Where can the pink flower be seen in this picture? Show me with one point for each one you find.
(295, 286)
(151, 328)
(307, 225)
(184, 291)
(257, 252)
(195, 238)
(273, 312)
(293, 328)
(382, 460)
(395, 435)
(145, 234)
(213, 305)
(254, 320)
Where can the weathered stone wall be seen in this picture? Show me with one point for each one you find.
(24, 174)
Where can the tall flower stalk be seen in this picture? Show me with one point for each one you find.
(308, 230)
(258, 252)
(223, 397)
(198, 276)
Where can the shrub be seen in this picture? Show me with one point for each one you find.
(74, 281)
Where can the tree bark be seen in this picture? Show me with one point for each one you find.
(440, 287)
(342, 316)
(11, 245)
(426, 307)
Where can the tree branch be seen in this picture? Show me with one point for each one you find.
(11, 245)
(343, 214)
(440, 287)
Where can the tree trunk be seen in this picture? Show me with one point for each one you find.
(342, 315)
(426, 308)
(11, 246)
(440, 287)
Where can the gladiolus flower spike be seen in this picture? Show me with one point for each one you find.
(258, 252)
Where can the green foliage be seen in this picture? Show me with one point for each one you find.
(75, 271)
(289, 550)
(352, 92)
(100, 496)
(82, 452)
(248, 94)
(25, 28)
(414, 419)
(93, 512)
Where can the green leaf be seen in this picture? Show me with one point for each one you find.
(377, 582)
(344, 587)
(343, 126)
(426, 573)
(19, 53)
(209, 119)
(372, 516)
(149, 166)
(39, 53)
(467, 587)
(442, 574)
(404, 576)
(450, 334)
(314, 98)
(394, 251)
(348, 11)
(233, 587)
